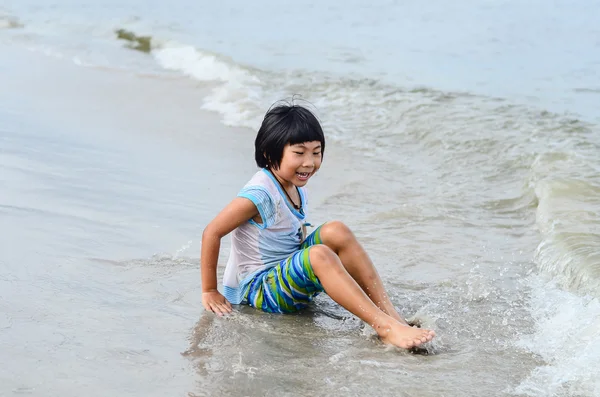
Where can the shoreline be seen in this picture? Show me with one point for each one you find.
(108, 179)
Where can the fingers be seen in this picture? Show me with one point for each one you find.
(214, 302)
(216, 308)
(222, 308)
(219, 308)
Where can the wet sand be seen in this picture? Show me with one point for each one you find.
(107, 180)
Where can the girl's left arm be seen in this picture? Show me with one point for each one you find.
(237, 212)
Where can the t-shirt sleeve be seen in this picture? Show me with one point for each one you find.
(264, 203)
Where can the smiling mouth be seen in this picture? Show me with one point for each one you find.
(302, 175)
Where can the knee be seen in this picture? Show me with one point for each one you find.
(322, 256)
(336, 234)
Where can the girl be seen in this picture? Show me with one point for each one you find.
(273, 266)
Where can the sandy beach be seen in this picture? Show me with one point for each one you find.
(462, 150)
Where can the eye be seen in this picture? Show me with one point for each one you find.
(300, 153)
(317, 153)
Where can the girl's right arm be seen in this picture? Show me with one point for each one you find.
(239, 211)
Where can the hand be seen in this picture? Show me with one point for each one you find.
(214, 302)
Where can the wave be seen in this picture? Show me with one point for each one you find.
(352, 104)
(238, 95)
(458, 122)
(567, 338)
(241, 93)
(567, 187)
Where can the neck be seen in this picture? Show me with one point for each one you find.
(285, 188)
(284, 185)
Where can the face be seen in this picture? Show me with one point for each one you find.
(299, 163)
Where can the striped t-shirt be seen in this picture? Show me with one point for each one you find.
(256, 247)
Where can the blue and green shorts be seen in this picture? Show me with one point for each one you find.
(288, 286)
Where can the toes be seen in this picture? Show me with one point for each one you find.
(426, 336)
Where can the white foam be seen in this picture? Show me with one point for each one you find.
(242, 94)
(566, 309)
(238, 95)
(199, 65)
(567, 338)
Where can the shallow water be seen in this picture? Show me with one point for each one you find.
(469, 171)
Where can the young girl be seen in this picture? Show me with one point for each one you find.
(273, 266)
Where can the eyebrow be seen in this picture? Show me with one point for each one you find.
(306, 147)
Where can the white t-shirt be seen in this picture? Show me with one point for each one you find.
(256, 247)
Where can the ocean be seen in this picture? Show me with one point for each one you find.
(463, 145)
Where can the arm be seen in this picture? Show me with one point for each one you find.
(237, 212)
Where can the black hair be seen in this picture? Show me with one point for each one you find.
(285, 124)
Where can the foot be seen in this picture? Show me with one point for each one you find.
(390, 310)
(404, 336)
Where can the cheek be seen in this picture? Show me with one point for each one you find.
(318, 163)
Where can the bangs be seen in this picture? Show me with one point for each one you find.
(300, 130)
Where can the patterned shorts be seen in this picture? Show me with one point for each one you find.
(288, 286)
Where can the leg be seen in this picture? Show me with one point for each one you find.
(343, 289)
(285, 288)
(342, 241)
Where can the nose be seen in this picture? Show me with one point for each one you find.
(308, 162)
